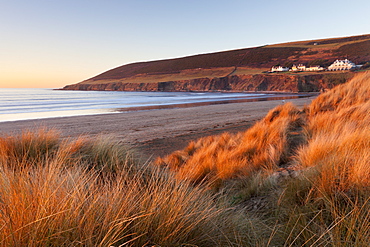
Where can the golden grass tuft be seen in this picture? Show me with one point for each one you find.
(328, 204)
(265, 146)
(339, 139)
(56, 192)
(25, 149)
(355, 92)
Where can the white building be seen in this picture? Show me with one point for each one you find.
(315, 68)
(342, 65)
(279, 69)
(302, 67)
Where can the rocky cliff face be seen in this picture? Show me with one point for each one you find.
(236, 83)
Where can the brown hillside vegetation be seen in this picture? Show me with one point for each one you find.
(226, 63)
(258, 57)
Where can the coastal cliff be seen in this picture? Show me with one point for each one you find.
(234, 83)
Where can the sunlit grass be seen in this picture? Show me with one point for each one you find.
(94, 193)
(264, 146)
(304, 173)
(296, 178)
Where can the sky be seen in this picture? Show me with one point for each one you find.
(51, 43)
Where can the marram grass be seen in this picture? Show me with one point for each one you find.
(86, 193)
(296, 178)
(303, 173)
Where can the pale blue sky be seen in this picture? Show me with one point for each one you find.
(50, 43)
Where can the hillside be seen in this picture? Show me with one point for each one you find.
(221, 70)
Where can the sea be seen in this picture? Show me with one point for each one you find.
(24, 104)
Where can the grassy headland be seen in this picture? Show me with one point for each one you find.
(298, 177)
(232, 66)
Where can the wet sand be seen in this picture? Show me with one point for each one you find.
(160, 131)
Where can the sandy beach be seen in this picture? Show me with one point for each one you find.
(157, 132)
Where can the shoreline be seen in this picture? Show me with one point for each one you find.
(157, 132)
(265, 97)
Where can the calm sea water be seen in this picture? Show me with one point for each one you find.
(21, 104)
